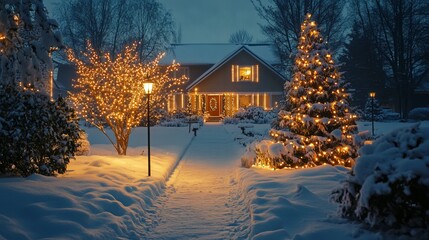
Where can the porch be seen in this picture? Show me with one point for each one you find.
(215, 106)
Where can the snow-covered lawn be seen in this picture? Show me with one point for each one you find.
(105, 196)
(294, 204)
(102, 196)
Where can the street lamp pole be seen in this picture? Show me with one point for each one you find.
(148, 134)
(148, 90)
(372, 95)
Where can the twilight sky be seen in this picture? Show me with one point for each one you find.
(208, 21)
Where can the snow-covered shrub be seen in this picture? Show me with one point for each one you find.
(179, 119)
(84, 145)
(37, 135)
(267, 153)
(230, 120)
(174, 122)
(157, 116)
(388, 187)
(248, 159)
(419, 114)
(250, 115)
(179, 114)
(389, 114)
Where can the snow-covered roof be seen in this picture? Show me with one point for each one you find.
(202, 53)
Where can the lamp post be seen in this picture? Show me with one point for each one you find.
(147, 85)
(372, 95)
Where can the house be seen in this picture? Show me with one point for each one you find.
(225, 77)
(222, 78)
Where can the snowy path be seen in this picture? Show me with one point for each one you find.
(202, 200)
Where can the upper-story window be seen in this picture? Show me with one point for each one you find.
(245, 73)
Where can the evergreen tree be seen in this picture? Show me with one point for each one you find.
(363, 66)
(378, 111)
(27, 38)
(317, 125)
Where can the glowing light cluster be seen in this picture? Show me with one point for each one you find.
(318, 124)
(110, 92)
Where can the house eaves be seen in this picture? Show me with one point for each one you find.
(225, 60)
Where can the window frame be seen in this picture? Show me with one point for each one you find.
(236, 73)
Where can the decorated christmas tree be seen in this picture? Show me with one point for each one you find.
(316, 126)
(372, 106)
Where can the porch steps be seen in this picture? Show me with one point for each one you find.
(214, 119)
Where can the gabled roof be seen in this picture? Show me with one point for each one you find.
(226, 59)
(210, 54)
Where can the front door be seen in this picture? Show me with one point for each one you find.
(213, 105)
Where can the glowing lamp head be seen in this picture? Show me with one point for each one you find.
(372, 94)
(147, 85)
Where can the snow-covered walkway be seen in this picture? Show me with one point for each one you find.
(201, 200)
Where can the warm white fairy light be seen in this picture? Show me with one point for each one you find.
(320, 107)
(110, 90)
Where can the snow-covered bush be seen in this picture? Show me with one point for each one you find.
(266, 153)
(157, 116)
(388, 187)
(37, 135)
(179, 119)
(230, 120)
(248, 159)
(419, 114)
(389, 114)
(84, 145)
(251, 115)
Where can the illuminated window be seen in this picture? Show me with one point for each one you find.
(245, 101)
(245, 73)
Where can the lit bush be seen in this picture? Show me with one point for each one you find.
(268, 154)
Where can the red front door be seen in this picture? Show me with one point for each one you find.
(213, 105)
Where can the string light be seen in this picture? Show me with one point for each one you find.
(319, 107)
(110, 90)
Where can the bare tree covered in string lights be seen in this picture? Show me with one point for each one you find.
(317, 125)
(110, 90)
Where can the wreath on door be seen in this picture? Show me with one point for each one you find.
(213, 104)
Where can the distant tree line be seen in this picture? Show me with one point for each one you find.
(112, 24)
(387, 47)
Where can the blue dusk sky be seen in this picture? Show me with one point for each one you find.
(207, 21)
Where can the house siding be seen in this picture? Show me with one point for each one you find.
(220, 81)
